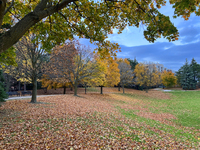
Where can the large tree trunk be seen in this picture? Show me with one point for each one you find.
(123, 88)
(34, 91)
(75, 88)
(101, 89)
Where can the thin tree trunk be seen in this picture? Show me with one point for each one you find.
(118, 87)
(71, 88)
(8, 84)
(64, 90)
(34, 91)
(123, 88)
(25, 86)
(85, 88)
(19, 86)
(75, 88)
(101, 89)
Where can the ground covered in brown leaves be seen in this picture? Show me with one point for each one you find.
(93, 121)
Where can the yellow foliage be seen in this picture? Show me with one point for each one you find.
(168, 79)
(145, 76)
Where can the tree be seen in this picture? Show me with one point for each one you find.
(146, 76)
(30, 60)
(168, 78)
(187, 77)
(3, 94)
(54, 21)
(126, 74)
(50, 83)
(195, 69)
(71, 63)
(108, 74)
(133, 63)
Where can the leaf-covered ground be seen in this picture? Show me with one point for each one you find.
(136, 120)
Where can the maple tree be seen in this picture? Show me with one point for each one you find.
(54, 21)
(126, 74)
(108, 73)
(71, 64)
(146, 76)
(168, 78)
(30, 59)
(55, 83)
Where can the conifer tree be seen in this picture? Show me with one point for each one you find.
(3, 94)
(187, 77)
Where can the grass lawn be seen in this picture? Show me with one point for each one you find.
(134, 120)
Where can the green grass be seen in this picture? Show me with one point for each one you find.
(185, 105)
(176, 132)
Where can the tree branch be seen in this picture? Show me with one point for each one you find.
(12, 3)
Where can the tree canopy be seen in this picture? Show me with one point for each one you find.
(55, 21)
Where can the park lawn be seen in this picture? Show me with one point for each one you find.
(135, 120)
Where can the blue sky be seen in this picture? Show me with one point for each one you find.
(171, 54)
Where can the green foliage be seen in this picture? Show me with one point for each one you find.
(8, 57)
(3, 94)
(133, 63)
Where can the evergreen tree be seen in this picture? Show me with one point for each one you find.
(133, 63)
(195, 69)
(3, 94)
(187, 77)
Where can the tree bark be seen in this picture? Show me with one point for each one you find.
(75, 88)
(34, 91)
(2, 10)
(85, 88)
(64, 92)
(123, 88)
(101, 89)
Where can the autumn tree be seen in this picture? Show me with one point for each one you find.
(57, 21)
(30, 60)
(126, 74)
(146, 76)
(49, 82)
(168, 79)
(108, 74)
(71, 63)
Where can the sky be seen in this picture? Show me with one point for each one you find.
(171, 54)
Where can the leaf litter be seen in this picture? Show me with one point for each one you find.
(90, 121)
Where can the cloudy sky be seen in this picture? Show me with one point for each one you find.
(171, 54)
